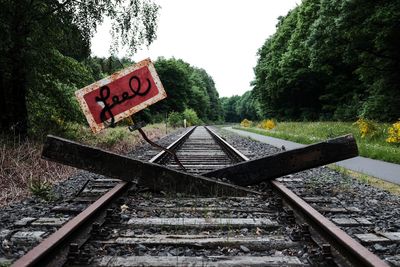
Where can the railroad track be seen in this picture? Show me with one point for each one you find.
(129, 225)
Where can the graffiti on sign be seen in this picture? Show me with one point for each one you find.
(120, 95)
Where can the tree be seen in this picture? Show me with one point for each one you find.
(187, 87)
(332, 59)
(175, 77)
(229, 105)
(30, 29)
(247, 107)
(215, 110)
(372, 32)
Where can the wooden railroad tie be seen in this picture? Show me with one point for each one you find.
(270, 167)
(154, 176)
(162, 178)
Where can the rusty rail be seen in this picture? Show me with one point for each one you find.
(345, 244)
(42, 254)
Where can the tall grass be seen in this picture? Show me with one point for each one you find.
(21, 165)
(310, 132)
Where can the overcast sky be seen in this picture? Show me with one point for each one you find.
(220, 36)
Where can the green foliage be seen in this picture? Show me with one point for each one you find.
(175, 119)
(229, 105)
(41, 189)
(374, 146)
(43, 41)
(175, 77)
(237, 108)
(51, 101)
(191, 117)
(332, 60)
(187, 87)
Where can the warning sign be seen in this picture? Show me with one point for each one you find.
(120, 95)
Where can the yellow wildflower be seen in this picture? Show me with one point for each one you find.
(267, 124)
(245, 123)
(394, 133)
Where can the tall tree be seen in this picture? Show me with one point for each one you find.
(332, 59)
(229, 105)
(187, 87)
(175, 77)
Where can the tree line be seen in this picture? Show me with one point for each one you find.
(328, 60)
(45, 58)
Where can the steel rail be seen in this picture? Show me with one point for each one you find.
(353, 250)
(174, 146)
(40, 254)
(345, 244)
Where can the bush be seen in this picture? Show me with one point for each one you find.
(394, 133)
(191, 117)
(175, 119)
(366, 127)
(246, 123)
(267, 124)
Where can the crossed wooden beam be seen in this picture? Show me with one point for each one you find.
(162, 178)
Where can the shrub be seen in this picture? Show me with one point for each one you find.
(246, 123)
(191, 117)
(267, 124)
(175, 119)
(394, 133)
(366, 127)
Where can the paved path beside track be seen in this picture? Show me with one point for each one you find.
(380, 169)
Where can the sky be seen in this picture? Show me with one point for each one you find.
(220, 36)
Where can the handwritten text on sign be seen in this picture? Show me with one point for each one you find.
(120, 95)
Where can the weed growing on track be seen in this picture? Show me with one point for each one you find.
(41, 189)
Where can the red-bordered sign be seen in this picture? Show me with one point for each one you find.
(120, 95)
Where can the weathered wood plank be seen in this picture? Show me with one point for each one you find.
(204, 222)
(267, 168)
(213, 261)
(206, 209)
(254, 243)
(156, 177)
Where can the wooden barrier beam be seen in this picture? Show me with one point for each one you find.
(154, 176)
(267, 168)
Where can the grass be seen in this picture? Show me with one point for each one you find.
(366, 179)
(21, 166)
(23, 173)
(119, 139)
(374, 147)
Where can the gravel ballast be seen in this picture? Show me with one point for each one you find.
(379, 207)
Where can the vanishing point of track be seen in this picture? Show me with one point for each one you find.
(131, 226)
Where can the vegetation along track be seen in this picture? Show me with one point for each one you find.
(132, 226)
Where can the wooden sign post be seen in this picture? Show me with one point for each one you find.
(120, 95)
